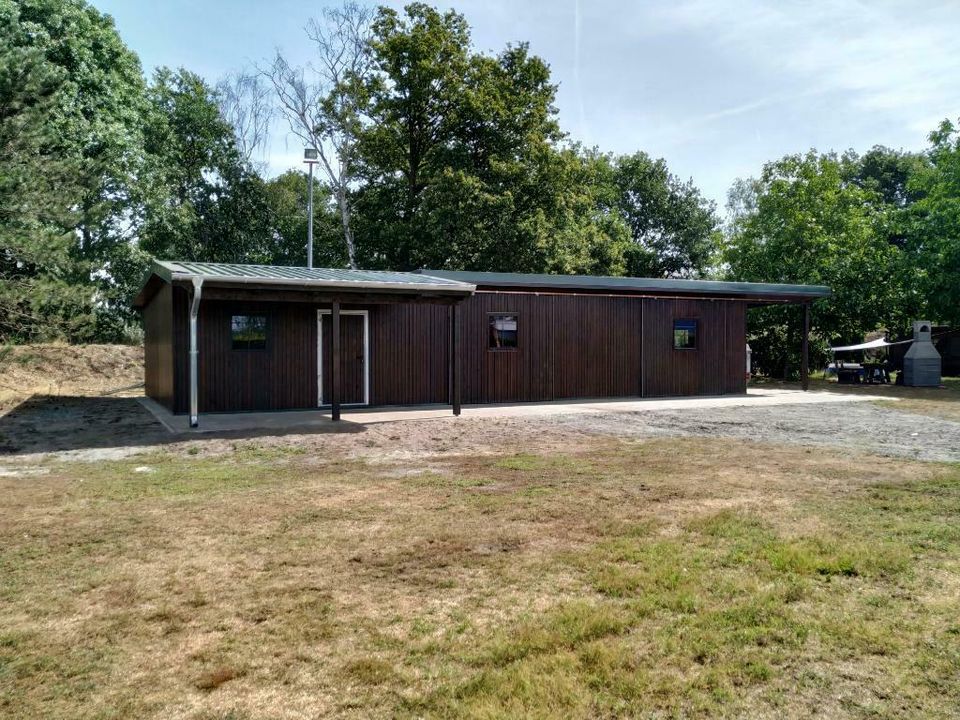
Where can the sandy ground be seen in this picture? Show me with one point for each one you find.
(81, 402)
(68, 370)
(91, 428)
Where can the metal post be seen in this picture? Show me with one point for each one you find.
(310, 217)
(335, 361)
(194, 352)
(805, 349)
(455, 359)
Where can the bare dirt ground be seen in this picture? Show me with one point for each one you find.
(68, 370)
(80, 403)
(91, 428)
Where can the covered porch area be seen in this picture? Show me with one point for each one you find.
(255, 339)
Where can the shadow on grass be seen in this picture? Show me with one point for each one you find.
(50, 423)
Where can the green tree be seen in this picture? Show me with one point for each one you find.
(462, 160)
(888, 173)
(287, 200)
(200, 198)
(803, 221)
(325, 103)
(39, 186)
(89, 121)
(673, 228)
(932, 224)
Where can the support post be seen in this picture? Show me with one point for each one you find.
(310, 218)
(335, 361)
(805, 349)
(455, 357)
(194, 352)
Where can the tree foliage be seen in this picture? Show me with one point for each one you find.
(434, 155)
(673, 229)
(76, 96)
(201, 200)
(287, 203)
(804, 221)
(932, 225)
(38, 188)
(325, 102)
(462, 160)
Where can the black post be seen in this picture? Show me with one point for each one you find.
(335, 361)
(455, 358)
(805, 349)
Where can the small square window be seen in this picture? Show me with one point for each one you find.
(684, 334)
(503, 332)
(248, 332)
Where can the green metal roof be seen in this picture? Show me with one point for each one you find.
(232, 274)
(635, 285)
(178, 270)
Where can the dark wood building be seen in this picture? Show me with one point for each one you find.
(229, 338)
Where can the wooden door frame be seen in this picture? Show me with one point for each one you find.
(366, 355)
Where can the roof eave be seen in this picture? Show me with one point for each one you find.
(661, 291)
(163, 272)
(347, 285)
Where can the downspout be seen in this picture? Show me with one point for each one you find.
(194, 351)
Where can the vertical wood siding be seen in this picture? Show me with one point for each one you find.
(570, 346)
(281, 377)
(409, 354)
(716, 367)
(158, 347)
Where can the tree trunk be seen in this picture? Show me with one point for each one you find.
(344, 206)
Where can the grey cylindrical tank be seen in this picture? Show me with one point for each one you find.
(921, 364)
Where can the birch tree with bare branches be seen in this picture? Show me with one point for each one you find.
(246, 104)
(324, 102)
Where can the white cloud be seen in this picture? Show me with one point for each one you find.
(901, 58)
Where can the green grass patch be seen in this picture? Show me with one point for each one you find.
(605, 583)
(682, 623)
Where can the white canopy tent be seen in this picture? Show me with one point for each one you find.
(872, 345)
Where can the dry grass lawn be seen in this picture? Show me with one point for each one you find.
(664, 578)
(58, 369)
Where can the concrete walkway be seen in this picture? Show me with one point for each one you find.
(352, 417)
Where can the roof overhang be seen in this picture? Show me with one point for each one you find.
(754, 293)
(264, 278)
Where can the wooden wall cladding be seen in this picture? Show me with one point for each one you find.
(158, 347)
(409, 354)
(716, 367)
(283, 376)
(569, 346)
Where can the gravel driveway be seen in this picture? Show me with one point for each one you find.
(93, 428)
(859, 426)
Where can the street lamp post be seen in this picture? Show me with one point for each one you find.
(310, 158)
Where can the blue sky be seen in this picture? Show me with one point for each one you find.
(717, 87)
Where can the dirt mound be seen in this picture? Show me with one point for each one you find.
(28, 370)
